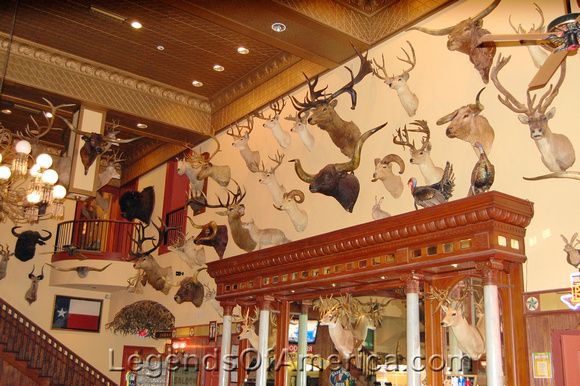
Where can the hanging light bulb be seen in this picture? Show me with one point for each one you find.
(49, 177)
(35, 171)
(44, 160)
(58, 192)
(33, 197)
(23, 147)
(4, 173)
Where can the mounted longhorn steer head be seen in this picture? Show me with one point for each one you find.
(212, 235)
(138, 205)
(191, 290)
(464, 37)
(26, 243)
(31, 294)
(337, 180)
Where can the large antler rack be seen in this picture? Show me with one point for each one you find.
(233, 198)
(162, 230)
(41, 130)
(242, 130)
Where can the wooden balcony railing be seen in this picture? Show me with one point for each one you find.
(44, 354)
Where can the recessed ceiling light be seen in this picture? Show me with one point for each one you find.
(160, 47)
(383, 277)
(334, 284)
(243, 50)
(218, 68)
(279, 27)
(6, 111)
(293, 291)
(142, 125)
(197, 83)
(135, 24)
(454, 265)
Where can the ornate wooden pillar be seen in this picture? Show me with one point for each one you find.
(243, 345)
(412, 287)
(264, 303)
(225, 360)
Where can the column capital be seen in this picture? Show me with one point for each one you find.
(412, 281)
(228, 307)
(265, 302)
(489, 271)
(304, 306)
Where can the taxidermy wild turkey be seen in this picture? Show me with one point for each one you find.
(483, 173)
(435, 194)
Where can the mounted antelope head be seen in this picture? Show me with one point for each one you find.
(32, 292)
(4, 257)
(342, 133)
(556, 149)
(469, 339)
(337, 180)
(301, 127)
(212, 235)
(220, 174)
(384, 173)
(191, 290)
(377, 212)
(537, 52)
(234, 210)
(265, 236)
(273, 123)
(572, 254)
(398, 83)
(241, 138)
(289, 205)
(268, 178)
(185, 249)
(464, 37)
(111, 171)
(468, 125)
(422, 156)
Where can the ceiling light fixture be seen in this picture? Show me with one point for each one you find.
(142, 125)
(197, 83)
(6, 111)
(135, 24)
(160, 47)
(218, 68)
(278, 27)
(243, 50)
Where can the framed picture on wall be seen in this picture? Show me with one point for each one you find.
(70, 313)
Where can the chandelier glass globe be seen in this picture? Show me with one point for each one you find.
(49, 177)
(44, 160)
(23, 147)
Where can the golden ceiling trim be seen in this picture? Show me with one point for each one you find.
(150, 161)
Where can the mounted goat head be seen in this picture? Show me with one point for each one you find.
(398, 83)
(337, 180)
(111, 170)
(220, 174)
(572, 254)
(251, 157)
(342, 133)
(266, 236)
(26, 243)
(138, 205)
(158, 277)
(384, 173)
(191, 290)
(537, 52)
(273, 123)
(377, 212)
(301, 127)
(268, 178)
(31, 294)
(212, 235)
(556, 149)
(290, 205)
(464, 37)
(466, 124)
(4, 257)
(234, 210)
(185, 249)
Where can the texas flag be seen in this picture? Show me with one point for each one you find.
(76, 314)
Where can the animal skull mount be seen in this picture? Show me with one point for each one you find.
(32, 292)
(464, 37)
(191, 290)
(338, 180)
(27, 241)
(138, 205)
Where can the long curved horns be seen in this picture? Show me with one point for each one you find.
(194, 277)
(194, 224)
(308, 178)
(478, 104)
(486, 11)
(214, 229)
(14, 231)
(355, 160)
(46, 238)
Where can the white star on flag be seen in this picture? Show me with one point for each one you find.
(61, 312)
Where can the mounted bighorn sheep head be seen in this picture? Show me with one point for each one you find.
(301, 127)
(572, 254)
(464, 37)
(297, 215)
(342, 133)
(32, 292)
(241, 138)
(265, 236)
(191, 290)
(138, 205)
(337, 180)
(81, 270)
(398, 83)
(26, 243)
(556, 149)
(537, 52)
(384, 173)
(4, 257)
(467, 124)
(212, 235)
(220, 174)
(273, 123)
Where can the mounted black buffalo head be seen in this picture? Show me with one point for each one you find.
(138, 205)
(191, 290)
(212, 235)
(337, 180)
(26, 243)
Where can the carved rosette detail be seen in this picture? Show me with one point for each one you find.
(490, 271)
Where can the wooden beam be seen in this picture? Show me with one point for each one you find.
(153, 159)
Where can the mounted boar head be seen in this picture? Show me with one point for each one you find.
(464, 37)
(138, 205)
(337, 180)
(191, 290)
(26, 243)
(31, 294)
(212, 235)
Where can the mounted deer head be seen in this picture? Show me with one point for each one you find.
(273, 123)
(556, 149)
(248, 331)
(220, 174)
(31, 295)
(301, 127)
(4, 257)
(111, 171)
(241, 138)
(185, 249)
(268, 178)
(464, 37)
(572, 254)
(537, 52)
(398, 83)
(343, 134)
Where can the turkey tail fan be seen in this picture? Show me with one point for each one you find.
(548, 69)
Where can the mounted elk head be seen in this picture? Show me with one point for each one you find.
(572, 254)
(26, 243)
(273, 123)
(468, 125)
(212, 235)
(556, 149)
(191, 290)
(241, 138)
(301, 127)
(398, 83)
(158, 277)
(297, 215)
(337, 180)
(220, 174)
(32, 292)
(537, 52)
(138, 205)
(234, 210)
(342, 133)
(268, 178)
(464, 37)
(4, 257)
(384, 173)
(422, 156)
(111, 171)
